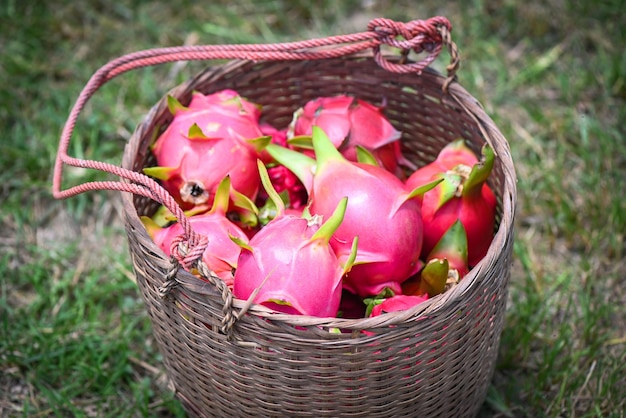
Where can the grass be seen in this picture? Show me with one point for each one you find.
(75, 340)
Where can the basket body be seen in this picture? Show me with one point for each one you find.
(434, 360)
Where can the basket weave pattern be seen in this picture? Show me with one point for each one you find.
(434, 360)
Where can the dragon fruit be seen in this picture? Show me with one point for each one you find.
(393, 303)
(217, 135)
(454, 153)
(382, 213)
(349, 123)
(222, 253)
(463, 194)
(289, 265)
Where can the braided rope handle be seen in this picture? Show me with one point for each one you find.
(417, 35)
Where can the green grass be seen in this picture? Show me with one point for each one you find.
(75, 339)
(77, 347)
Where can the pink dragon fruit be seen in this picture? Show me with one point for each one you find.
(289, 265)
(463, 194)
(228, 101)
(222, 253)
(382, 213)
(217, 135)
(349, 123)
(393, 303)
(454, 153)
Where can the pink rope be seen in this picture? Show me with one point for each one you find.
(188, 259)
(417, 35)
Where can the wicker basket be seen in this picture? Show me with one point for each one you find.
(226, 358)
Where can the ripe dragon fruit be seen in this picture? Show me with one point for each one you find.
(387, 302)
(222, 253)
(453, 154)
(382, 212)
(217, 135)
(349, 123)
(463, 194)
(289, 265)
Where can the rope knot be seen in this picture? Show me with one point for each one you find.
(186, 255)
(417, 35)
(182, 255)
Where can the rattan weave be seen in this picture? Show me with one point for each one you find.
(436, 359)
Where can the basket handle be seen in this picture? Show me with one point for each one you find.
(417, 35)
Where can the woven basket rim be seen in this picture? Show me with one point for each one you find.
(490, 133)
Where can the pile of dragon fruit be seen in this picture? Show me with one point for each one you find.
(325, 217)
